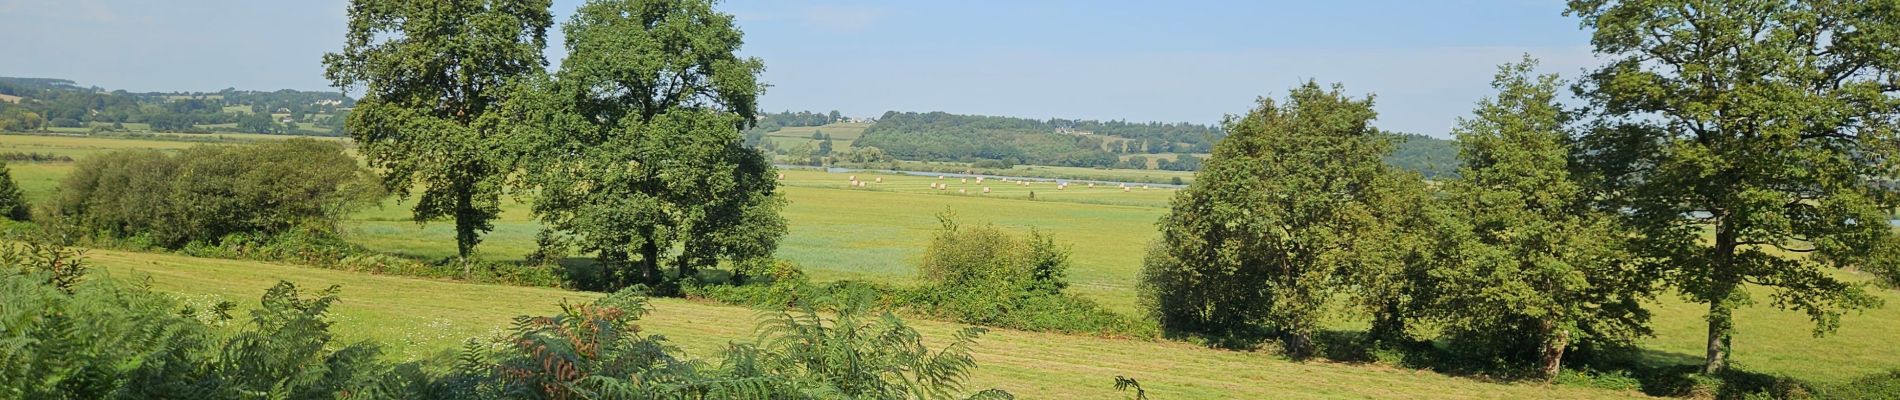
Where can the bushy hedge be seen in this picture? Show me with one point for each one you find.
(206, 193)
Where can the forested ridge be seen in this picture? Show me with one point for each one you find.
(37, 104)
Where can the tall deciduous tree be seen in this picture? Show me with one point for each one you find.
(1281, 209)
(433, 74)
(1751, 143)
(642, 161)
(1552, 272)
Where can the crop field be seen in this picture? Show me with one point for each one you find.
(877, 232)
(841, 132)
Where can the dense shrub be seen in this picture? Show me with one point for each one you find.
(1884, 385)
(985, 257)
(206, 193)
(34, 157)
(12, 201)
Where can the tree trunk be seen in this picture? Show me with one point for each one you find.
(465, 223)
(650, 259)
(1555, 341)
(685, 266)
(1719, 325)
(1299, 345)
(1388, 325)
(1721, 309)
(609, 263)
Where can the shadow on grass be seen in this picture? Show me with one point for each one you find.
(1655, 373)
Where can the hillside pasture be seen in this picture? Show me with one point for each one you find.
(878, 233)
(425, 318)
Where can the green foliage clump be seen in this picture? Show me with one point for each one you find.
(650, 183)
(1283, 210)
(62, 267)
(973, 274)
(1883, 385)
(1748, 143)
(1548, 271)
(106, 339)
(986, 258)
(206, 193)
(984, 275)
(941, 136)
(433, 78)
(13, 204)
(857, 354)
(1430, 157)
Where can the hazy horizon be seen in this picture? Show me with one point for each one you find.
(1427, 63)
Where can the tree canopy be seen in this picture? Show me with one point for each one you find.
(1749, 143)
(1549, 271)
(1258, 242)
(433, 74)
(637, 148)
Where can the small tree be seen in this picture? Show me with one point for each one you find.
(12, 200)
(1260, 240)
(1551, 272)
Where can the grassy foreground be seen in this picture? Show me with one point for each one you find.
(419, 317)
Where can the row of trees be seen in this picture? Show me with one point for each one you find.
(61, 103)
(1182, 162)
(1179, 137)
(941, 136)
(631, 150)
(1727, 145)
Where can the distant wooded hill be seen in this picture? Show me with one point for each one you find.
(938, 136)
(1429, 156)
(42, 104)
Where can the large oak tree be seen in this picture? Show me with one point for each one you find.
(1752, 143)
(433, 73)
(638, 154)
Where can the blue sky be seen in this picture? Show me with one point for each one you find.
(1195, 61)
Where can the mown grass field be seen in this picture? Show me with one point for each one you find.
(878, 232)
(421, 318)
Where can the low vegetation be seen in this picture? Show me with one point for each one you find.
(971, 274)
(206, 194)
(72, 337)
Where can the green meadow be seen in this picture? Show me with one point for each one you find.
(877, 231)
